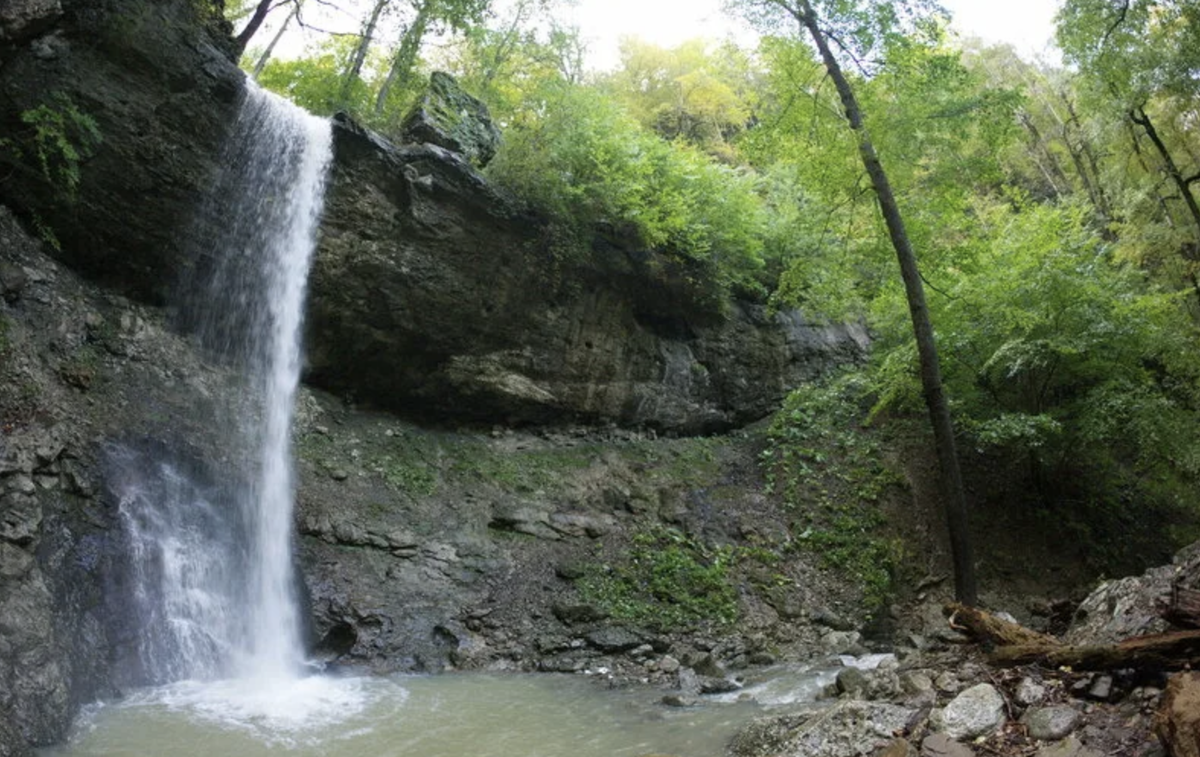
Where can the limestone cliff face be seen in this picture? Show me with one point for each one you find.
(433, 296)
(156, 80)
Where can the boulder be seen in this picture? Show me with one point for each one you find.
(848, 729)
(975, 712)
(613, 639)
(448, 117)
(1132, 606)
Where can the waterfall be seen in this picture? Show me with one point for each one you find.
(211, 563)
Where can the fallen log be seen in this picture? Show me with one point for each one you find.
(1167, 651)
(1013, 645)
(1184, 609)
(993, 630)
(1177, 721)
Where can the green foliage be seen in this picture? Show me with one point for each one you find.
(698, 92)
(830, 471)
(1054, 351)
(317, 81)
(60, 138)
(668, 581)
(585, 160)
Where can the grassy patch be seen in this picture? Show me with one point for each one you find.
(666, 580)
(830, 472)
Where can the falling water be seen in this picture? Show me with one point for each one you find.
(212, 565)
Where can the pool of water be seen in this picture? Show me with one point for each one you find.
(415, 716)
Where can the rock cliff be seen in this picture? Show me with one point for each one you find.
(433, 296)
(156, 80)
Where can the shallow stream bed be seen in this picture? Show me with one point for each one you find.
(417, 716)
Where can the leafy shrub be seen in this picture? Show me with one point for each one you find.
(1054, 352)
(584, 160)
(62, 138)
(667, 580)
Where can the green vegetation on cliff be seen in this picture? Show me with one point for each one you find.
(1052, 209)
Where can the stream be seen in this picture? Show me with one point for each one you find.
(453, 715)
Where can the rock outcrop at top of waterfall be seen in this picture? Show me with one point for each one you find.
(433, 295)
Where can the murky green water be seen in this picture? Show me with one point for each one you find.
(440, 716)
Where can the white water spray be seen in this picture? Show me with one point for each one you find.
(216, 587)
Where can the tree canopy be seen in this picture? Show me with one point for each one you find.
(1051, 209)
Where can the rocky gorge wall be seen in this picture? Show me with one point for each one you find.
(433, 298)
(433, 295)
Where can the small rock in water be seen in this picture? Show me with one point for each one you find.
(679, 700)
(710, 685)
(851, 680)
(708, 666)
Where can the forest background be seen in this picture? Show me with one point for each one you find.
(1050, 203)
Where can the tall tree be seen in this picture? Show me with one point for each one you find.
(455, 14)
(363, 47)
(265, 56)
(883, 16)
(1142, 57)
(257, 17)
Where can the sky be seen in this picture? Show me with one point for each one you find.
(1026, 24)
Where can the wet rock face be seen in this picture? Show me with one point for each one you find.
(156, 80)
(21, 19)
(80, 371)
(431, 295)
(55, 545)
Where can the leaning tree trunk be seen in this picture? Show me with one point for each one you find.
(931, 379)
(406, 54)
(266, 54)
(360, 52)
(1190, 253)
(256, 20)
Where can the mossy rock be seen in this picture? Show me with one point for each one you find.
(448, 117)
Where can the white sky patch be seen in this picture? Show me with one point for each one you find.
(1028, 25)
